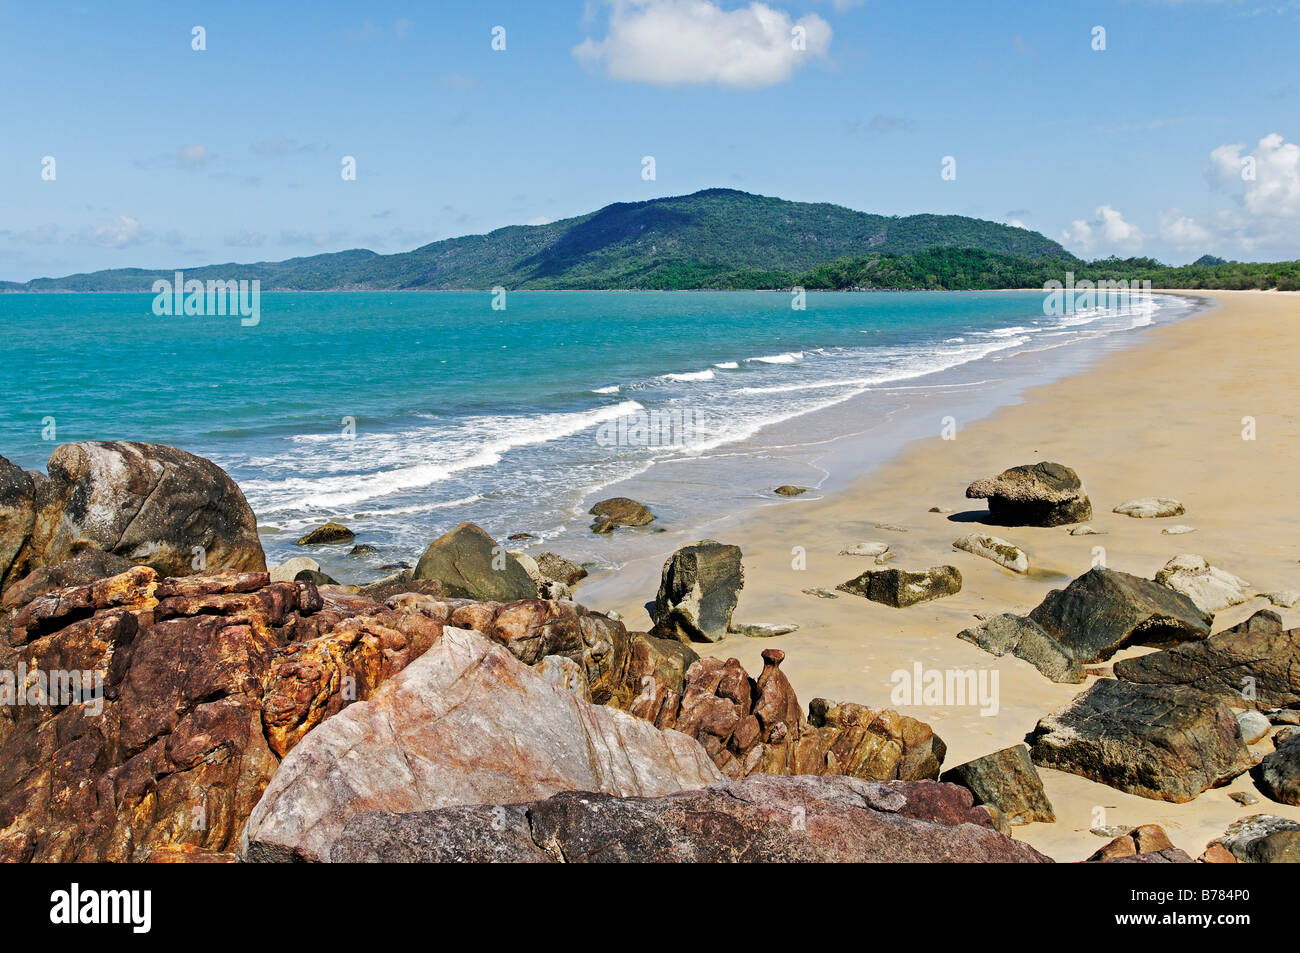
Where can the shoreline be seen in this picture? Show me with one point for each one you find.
(1174, 400)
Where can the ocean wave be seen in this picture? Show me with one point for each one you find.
(612, 389)
(690, 377)
(728, 365)
(790, 357)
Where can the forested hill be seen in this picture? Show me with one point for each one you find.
(708, 239)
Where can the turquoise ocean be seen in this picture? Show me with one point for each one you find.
(402, 414)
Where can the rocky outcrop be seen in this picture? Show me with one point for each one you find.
(1025, 639)
(1262, 839)
(288, 570)
(1104, 610)
(466, 723)
(759, 820)
(994, 548)
(153, 505)
(1151, 740)
(331, 533)
(1278, 775)
(698, 591)
(1039, 494)
(1254, 664)
(619, 511)
(470, 564)
(1150, 507)
(86, 567)
(900, 589)
(1147, 839)
(190, 690)
(1007, 781)
(1209, 587)
(561, 570)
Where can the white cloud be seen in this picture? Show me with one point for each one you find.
(1108, 232)
(672, 42)
(122, 232)
(1269, 177)
(194, 155)
(1183, 231)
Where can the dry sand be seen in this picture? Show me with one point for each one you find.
(1162, 418)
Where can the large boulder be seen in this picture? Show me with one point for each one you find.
(698, 591)
(1254, 664)
(1208, 586)
(900, 588)
(759, 820)
(1278, 775)
(1008, 781)
(156, 506)
(1104, 610)
(86, 567)
(190, 691)
(470, 564)
(1025, 639)
(1039, 494)
(466, 723)
(1151, 740)
(1262, 839)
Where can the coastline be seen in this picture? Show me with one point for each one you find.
(1160, 416)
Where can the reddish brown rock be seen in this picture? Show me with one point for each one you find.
(1149, 838)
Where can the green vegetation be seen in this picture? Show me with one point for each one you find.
(715, 238)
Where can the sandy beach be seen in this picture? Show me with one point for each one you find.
(1163, 417)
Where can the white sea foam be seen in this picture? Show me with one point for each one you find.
(612, 389)
(790, 357)
(727, 365)
(693, 376)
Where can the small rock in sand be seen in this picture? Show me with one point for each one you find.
(1086, 531)
(865, 549)
(891, 527)
(788, 490)
(1114, 830)
(763, 630)
(1178, 530)
(1244, 798)
(1151, 507)
(1254, 726)
(820, 593)
(1284, 716)
(1006, 555)
(940, 509)
(1209, 587)
(1286, 598)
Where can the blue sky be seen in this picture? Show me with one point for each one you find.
(167, 156)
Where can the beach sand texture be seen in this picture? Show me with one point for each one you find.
(1162, 418)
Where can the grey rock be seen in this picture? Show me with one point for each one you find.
(1007, 555)
(698, 591)
(900, 589)
(470, 564)
(1038, 494)
(1150, 507)
(1254, 726)
(1247, 838)
(1008, 781)
(1025, 639)
(1278, 775)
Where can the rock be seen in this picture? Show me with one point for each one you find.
(1008, 781)
(518, 536)
(153, 505)
(898, 588)
(1278, 775)
(198, 685)
(1262, 838)
(381, 590)
(1085, 531)
(315, 577)
(1211, 589)
(1149, 838)
(466, 723)
(654, 678)
(547, 588)
(1256, 657)
(764, 630)
(288, 570)
(940, 509)
(1112, 831)
(89, 565)
(331, 533)
(788, 490)
(363, 549)
(566, 673)
(865, 549)
(698, 592)
(1155, 741)
(1025, 639)
(1283, 733)
(1284, 598)
(1216, 854)
(892, 528)
(1039, 494)
(1244, 798)
(619, 511)
(560, 569)
(1150, 507)
(998, 550)
(1180, 530)
(758, 820)
(1284, 716)
(470, 564)
(820, 593)
(1254, 726)
(1104, 610)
